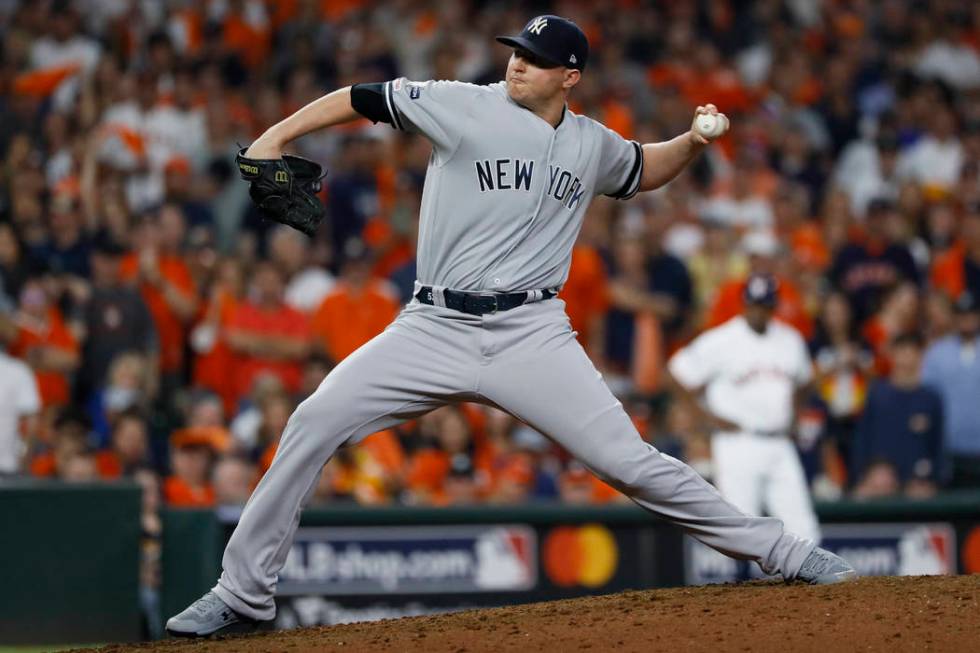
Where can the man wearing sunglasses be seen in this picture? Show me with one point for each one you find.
(511, 174)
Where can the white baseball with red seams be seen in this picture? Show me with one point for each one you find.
(711, 125)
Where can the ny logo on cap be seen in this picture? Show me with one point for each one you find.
(538, 24)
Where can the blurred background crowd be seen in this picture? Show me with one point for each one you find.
(156, 328)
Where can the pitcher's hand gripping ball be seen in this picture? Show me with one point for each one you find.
(285, 189)
(708, 124)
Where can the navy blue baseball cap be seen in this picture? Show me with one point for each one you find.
(762, 290)
(555, 39)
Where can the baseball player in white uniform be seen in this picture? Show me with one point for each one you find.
(511, 174)
(753, 371)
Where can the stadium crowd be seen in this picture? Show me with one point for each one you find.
(156, 328)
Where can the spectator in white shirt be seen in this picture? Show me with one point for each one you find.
(869, 170)
(936, 158)
(19, 405)
(307, 284)
(178, 128)
(743, 209)
(64, 47)
(950, 58)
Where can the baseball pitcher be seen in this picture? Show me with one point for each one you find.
(511, 174)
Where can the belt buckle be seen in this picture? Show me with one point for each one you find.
(495, 306)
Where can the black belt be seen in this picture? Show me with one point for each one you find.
(476, 303)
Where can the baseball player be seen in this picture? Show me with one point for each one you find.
(511, 174)
(753, 371)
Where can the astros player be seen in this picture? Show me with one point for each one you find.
(511, 174)
(753, 371)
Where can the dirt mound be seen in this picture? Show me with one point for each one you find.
(923, 613)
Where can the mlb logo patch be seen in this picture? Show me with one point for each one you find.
(414, 92)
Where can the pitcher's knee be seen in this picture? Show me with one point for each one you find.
(626, 476)
(635, 474)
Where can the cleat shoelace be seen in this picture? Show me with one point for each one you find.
(206, 603)
(820, 564)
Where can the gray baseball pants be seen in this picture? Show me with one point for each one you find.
(527, 362)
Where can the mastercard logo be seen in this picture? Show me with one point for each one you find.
(580, 555)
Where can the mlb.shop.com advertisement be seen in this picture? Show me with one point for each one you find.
(344, 575)
(347, 574)
(410, 560)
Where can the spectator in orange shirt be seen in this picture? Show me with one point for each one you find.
(899, 314)
(81, 466)
(958, 269)
(267, 335)
(710, 80)
(447, 440)
(275, 411)
(164, 282)
(129, 447)
(514, 480)
(586, 291)
(209, 338)
(362, 472)
(71, 435)
(793, 226)
(357, 309)
(192, 456)
(577, 485)
(45, 343)
(763, 250)
(246, 33)
(508, 460)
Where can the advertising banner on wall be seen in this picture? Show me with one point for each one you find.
(898, 549)
(410, 560)
(339, 575)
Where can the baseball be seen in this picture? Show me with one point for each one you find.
(711, 125)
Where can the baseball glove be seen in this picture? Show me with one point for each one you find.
(285, 189)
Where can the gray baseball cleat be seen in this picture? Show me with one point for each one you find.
(822, 567)
(209, 615)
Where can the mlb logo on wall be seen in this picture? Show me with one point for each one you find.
(410, 560)
(894, 549)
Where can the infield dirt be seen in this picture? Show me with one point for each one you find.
(871, 614)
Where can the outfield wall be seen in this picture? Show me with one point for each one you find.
(70, 556)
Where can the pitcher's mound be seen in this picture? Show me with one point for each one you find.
(939, 613)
